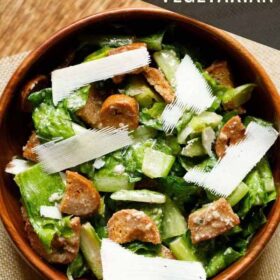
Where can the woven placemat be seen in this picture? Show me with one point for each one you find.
(267, 267)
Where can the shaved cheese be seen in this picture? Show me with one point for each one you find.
(238, 161)
(81, 148)
(121, 264)
(66, 80)
(51, 212)
(55, 197)
(98, 163)
(192, 93)
(119, 169)
(16, 166)
(208, 138)
(78, 128)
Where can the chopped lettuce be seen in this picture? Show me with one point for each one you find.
(235, 97)
(36, 187)
(221, 260)
(256, 195)
(156, 164)
(76, 268)
(155, 212)
(182, 249)
(138, 87)
(52, 123)
(153, 41)
(77, 99)
(168, 62)
(194, 148)
(37, 97)
(145, 249)
(103, 52)
(90, 246)
(182, 193)
(113, 176)
(151, 117)
(174, 223)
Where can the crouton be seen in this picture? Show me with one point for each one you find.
(32, 142)
(129, 224)
(81, 197)
(128, 47)
(166, 253)
(212, 220)
(231, 133)
(118, 79)
(36, 83)
(219, 70)
(90, 113)
(64, 250)
(120, 110)
(156, 79)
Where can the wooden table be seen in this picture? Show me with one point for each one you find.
(25, 24)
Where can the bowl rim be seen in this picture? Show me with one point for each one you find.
(44, 269)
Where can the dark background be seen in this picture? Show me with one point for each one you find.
(256, 21)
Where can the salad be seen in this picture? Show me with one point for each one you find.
(137, 196)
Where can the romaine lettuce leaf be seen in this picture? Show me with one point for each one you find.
(36, 187)
(145, 249)
(77, 99)
(77, 268)
(52, 123)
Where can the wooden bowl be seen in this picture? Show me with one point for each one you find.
(15, 125)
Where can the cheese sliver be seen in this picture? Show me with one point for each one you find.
(238, 161)
(120, 264)
(83, 147)
(16, 166)
(51, 212)
(192, 93)
(66, 80)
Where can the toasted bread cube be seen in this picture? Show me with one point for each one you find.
(231, 133)
(90, 113)
(129, 224)
(128, 47)
(120, 110)
(64, 250)
(212, 220)
(156, 79)
(81, 197)
(28, 152)
(219, 70)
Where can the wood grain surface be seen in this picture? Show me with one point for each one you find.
(24, 24)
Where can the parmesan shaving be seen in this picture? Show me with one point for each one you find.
(192, 93)
(121, 264)
(208, 138)
(16, 166)
(119, 169)
(238, 161)
(67, 80)
(55, 197)
(81, 148)
(98, 163)
(51, 212)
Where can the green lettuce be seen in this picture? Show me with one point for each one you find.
(77, 99)
(36, 187)
(52, 123)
